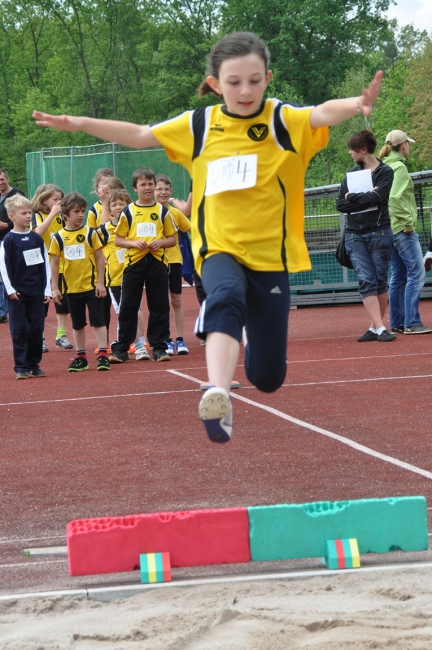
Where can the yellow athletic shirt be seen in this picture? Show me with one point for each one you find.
(114, 255)
(56, 224)
(248, 181)
(173, 255)
(94, 215)
(76, 248)
(145, 222)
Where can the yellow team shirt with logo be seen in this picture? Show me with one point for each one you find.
(114, 255)
(146, 223)
(248, 181)
(94, 215)
(76, 248)
(173, 255)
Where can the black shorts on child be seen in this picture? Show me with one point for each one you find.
(175, 277)
(77, 307)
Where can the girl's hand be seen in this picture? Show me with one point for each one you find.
(60, 122)
(369, 95)
(55, 210)
(47, 299)
(155, 244)
(13, 296)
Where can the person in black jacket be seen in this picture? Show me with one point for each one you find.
(6, 192)
(368, 234)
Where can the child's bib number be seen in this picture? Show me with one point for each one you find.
(232, 173)
(146, 229)
(121, 252)
(33, 256)
(76, 252)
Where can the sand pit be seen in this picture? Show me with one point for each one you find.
(351, 611)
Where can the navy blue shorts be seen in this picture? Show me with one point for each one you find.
(238, 297)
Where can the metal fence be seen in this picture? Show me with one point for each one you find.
(73, 168)
(328, 282)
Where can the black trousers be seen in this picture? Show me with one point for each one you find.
(239, 297)
(26, 322)
(152, 273)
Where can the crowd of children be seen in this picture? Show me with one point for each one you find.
(91, 263)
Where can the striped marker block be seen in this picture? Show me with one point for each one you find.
(342, 554)
(155, 567)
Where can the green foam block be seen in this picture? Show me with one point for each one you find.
(283, 532)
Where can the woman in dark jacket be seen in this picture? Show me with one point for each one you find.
(368, 234)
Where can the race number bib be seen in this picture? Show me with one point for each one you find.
(75, 252)
(33, 256)
(121, 252)
(146, 230)
(232, 173)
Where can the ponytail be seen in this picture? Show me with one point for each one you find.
(387, 148)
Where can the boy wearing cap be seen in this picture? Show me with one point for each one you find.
(407, 266)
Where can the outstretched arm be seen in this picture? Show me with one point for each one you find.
(131, 135)
(338, 110)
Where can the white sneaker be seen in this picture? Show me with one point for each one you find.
(181, 347)
(215, 411)
(63, 342)
(142, 354)
(170, 347)
(427, 261)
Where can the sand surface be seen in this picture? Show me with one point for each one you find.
(385, 609)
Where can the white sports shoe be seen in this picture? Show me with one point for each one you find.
(215, 411)
(181, 347)
(427, 260)
(142, 354)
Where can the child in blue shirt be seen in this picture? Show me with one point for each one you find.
(27, 280)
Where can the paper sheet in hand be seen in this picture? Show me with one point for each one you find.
(360, 181)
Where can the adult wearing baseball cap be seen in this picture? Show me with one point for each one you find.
(407, 267)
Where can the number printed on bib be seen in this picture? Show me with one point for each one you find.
(146, 230)
(76, 252)
(232, 173)
(33, 256)
(121, 252)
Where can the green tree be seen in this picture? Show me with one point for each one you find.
(419, 112)
(313, 42)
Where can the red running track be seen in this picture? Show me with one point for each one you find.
(129, 441)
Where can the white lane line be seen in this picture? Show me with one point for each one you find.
(125, 591)
(95, 397)
(37, 563)
(346, 441)
(382, 356)
(23, 540)
(355, 381)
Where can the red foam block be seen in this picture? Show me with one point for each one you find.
(194, 538)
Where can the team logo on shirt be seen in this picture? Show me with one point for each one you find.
(59, 221)
(80, 238)
(217, 127)
(154, 216)
(258, 132)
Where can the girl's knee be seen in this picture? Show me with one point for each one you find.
(267, 380)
